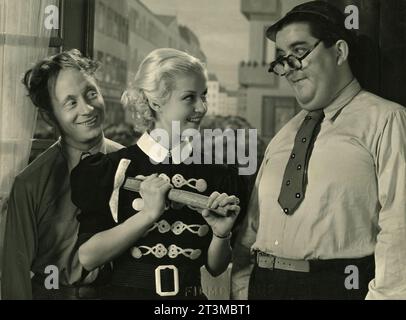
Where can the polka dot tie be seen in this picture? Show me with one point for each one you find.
(295, 177)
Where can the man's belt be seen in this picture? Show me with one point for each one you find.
(269, 261)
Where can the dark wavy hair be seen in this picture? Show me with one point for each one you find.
(40, 79)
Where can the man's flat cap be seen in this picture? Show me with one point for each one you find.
(318, 9)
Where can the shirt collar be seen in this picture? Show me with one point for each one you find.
(158, 153)
(343, 98)
(73, 155)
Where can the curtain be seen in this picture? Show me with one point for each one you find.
(24, 39)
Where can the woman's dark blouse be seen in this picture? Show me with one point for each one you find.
(92, 185)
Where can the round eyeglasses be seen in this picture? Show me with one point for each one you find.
(294, 62)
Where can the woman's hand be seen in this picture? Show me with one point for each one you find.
(221, 226)
(153, 191)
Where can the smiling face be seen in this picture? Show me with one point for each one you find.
(78, 108)
(315, 85)
(186, 103)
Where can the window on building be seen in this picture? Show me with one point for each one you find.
(134, 21)
(100, 10)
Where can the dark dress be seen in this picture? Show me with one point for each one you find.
(180, 237)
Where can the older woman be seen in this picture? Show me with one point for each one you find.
(157, 248)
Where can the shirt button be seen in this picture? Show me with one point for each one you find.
(286, 210)
(293, 156)
(298, 195)
(304, 140)
(288, 183)
(299, 167)
(276, 242)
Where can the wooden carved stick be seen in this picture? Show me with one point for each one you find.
(185, 197)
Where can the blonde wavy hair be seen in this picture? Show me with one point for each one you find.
(154, 82)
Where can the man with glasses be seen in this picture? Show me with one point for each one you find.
(293, 62)
(327, 217)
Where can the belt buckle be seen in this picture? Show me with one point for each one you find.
(265, 260)
(158, 285)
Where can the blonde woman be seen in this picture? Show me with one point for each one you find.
(157, 248)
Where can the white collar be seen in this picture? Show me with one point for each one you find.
(158, 153)
(345, 96)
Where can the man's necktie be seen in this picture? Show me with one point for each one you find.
(295, 177)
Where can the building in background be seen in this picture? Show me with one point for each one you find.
(232, 103)
(111, 44)
(220, 101)
(242, 103)
(265, 100)
(125, 32)
(213, 90)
